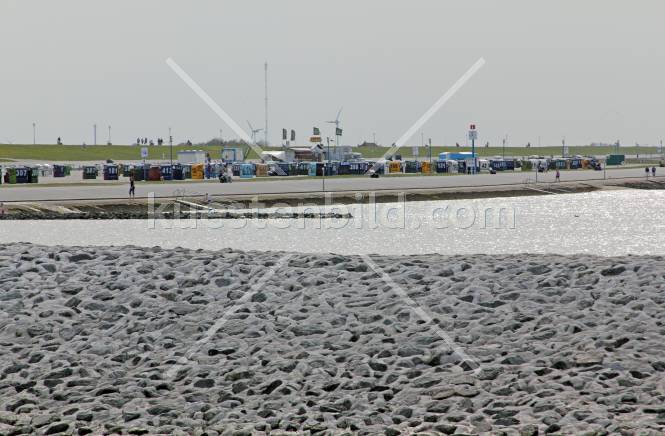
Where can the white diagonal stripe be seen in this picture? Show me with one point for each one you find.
(213, 105)
(225, 317)
(422, 314)
(435, 108)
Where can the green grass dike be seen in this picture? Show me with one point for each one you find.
(62, 153)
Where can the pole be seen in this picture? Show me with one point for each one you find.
(473, 154)
(503, 155)
(430, 155)
(94, 134)
(563, 147)
(266, 109)
(324, 164)
(109, 141)
(605, 170)
(336, 141)
(34, 133)
(171, 147)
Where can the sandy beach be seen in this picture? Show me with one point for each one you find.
(147, 341)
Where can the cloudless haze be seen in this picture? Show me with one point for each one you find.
(591, 71)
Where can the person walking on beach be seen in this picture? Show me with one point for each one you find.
(132, 187)
(653, 171)
(646, 171)
(558, 175)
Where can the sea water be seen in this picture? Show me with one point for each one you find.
(604, 223)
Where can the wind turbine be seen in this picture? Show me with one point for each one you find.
(338, 131)
(336, 122)
(254, 131)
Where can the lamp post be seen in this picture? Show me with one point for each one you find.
(503, 155)
(430, 155)
(473, 134)
(171, 146)
(473, 154)
(34, 133)
(324, 164)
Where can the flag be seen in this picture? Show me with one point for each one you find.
(316, 132)
(293, 135)
(284, 134)
(338, 131)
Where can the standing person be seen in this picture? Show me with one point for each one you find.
(558, 175)
(653, 171)
(132, 187)
(646, 171)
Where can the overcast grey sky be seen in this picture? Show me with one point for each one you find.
(590, 70)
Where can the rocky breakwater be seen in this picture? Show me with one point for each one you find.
(132, 340)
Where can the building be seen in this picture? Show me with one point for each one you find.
(232, 154)
(343, 153)
(293, 154)
(366, 144)
(192, 156)
(463, 155)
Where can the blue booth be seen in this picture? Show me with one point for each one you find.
(58, 171)
(246, 171)
(411, 166)
(284, 169)
(358, 167)
(167, 172)
(111, 172)
(312, 169)
(499, 165)
(177, 172)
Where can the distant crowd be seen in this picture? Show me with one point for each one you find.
(160, 141)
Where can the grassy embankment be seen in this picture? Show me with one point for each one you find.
(61, 153)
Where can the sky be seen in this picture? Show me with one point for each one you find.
(589, 71)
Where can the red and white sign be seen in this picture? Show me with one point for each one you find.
(473, 133)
